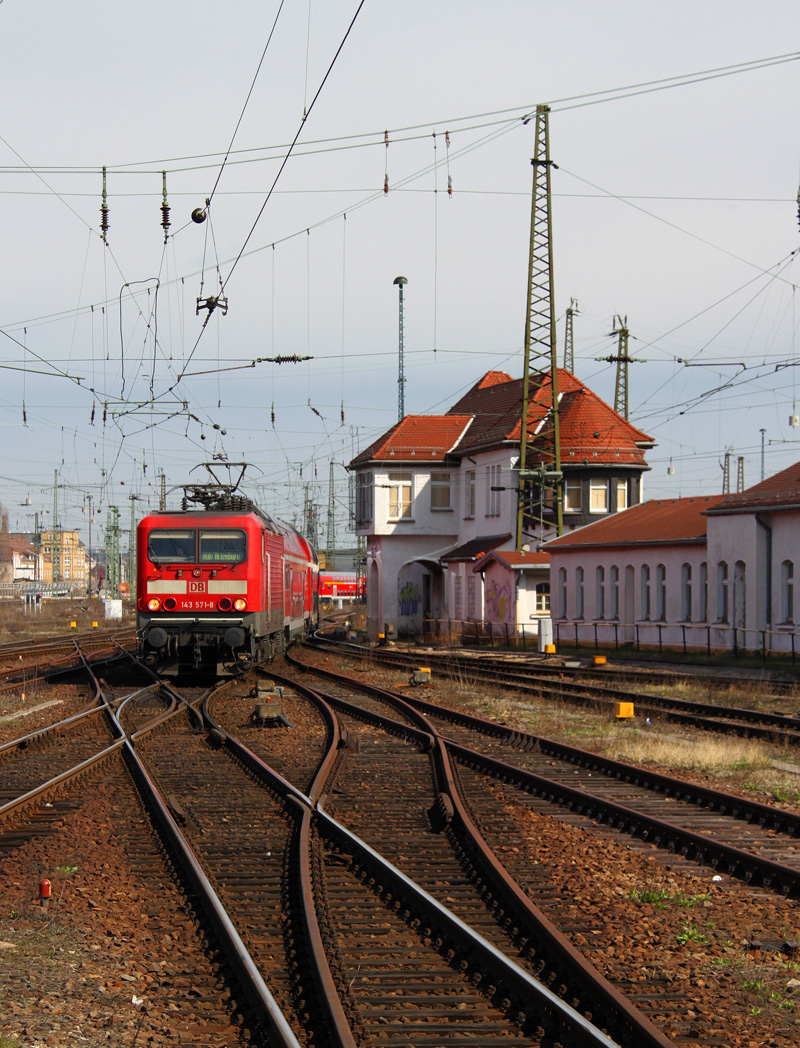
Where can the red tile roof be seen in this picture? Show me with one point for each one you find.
(781, 491)
(416, 438)
(591, 432)
(659, 521)
(513, 561)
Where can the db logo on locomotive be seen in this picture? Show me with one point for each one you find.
(197, 587)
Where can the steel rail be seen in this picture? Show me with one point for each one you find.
(574, 1029)
(449, 806)
(693, 845)
(709, 716)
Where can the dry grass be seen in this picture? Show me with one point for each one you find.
(742, 765)
(54, 618)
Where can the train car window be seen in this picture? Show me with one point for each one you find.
(171, 546)
(226, 546)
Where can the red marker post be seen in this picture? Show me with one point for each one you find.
(44, 892)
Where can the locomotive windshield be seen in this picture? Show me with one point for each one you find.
(228, 546)
(171, 546)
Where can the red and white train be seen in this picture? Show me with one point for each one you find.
(221, 586)
(342, 585)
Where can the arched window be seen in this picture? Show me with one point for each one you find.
(661, 593)
(722, 591)
(600, 592)
(645, 592)
(787, 591)
(562, 593)
(579, 593)
(614, 610)
(686, 592)
(704, 592)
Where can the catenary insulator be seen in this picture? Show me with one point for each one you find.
(104, 210)
(165, 222)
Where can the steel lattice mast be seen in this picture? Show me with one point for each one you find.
(540, 324)
(569, 340)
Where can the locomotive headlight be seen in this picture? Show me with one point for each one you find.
(153, 604)
(240, 604)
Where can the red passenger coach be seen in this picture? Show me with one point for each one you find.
(221, 586)
(342, 585)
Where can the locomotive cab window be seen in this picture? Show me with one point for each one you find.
(171, 546)
(226, 546)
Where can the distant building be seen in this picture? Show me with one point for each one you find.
(69, 559)
(436, 493)
(713, 572)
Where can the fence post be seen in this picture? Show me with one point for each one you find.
(683, 628)
(708, 639)
(793, 649)
(523, 637)
(595, 636)
(576, 635)
(638, 647)
(660, 652)
(491, 634)
(616, 636)
(735, 644)
(558, 632)
(508, 642)
(764, 645)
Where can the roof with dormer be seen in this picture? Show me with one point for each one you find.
(489, 416)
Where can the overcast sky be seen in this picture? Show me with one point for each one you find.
(674, 207)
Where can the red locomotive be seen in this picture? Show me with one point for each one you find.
(221, 585)
(343, 585)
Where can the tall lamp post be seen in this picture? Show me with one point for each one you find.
(401, 378)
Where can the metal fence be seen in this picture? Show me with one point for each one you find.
(26, 589)
(486, 634)
(686, 637)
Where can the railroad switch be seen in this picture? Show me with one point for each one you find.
(269, 708)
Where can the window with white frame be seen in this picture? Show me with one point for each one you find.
(543, 598)
(598, 496)
(469, 494)
(661, 593)
(622, 494)
(614, 582)
(722, 591)
(704, 592)
(579, 593)
(600, 591)
(645, 592)
(365, 486)
(400, 498)
(493, 481)
(573, 496)
(440, 491)
(562, 593)
(787, 591)
(686, 592)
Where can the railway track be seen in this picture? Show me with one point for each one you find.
(555, 684)
(345, 871)
(755, 842)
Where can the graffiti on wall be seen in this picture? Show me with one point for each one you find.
(498, 601)
(409, 599)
